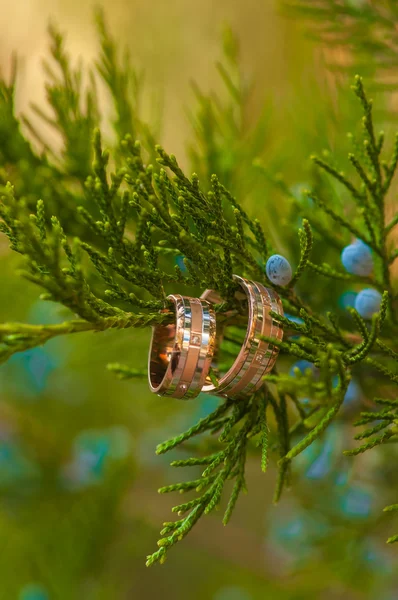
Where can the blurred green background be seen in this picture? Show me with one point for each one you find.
(78, 472)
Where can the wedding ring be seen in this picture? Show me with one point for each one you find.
(181, 353)
(256, 356)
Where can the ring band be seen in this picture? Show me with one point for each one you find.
(181, 353)
(256, 357)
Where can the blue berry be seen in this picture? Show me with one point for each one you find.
(347, 299)
(322, 465)
(357, 502)
(278, 269)
(357, 259)
(33, 592)
(368, 302)
(298, 190)
(297, 320)
(302, 365)
(179, 261)
(353, 393)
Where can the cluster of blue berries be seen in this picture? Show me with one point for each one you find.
(356, 258)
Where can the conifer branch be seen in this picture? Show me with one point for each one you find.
(98, 231)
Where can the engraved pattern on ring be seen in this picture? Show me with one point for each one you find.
(256, 356)
(226, 379)
(246, 371)
(256, 368)
(180, 355)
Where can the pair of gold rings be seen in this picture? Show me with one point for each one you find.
(181, 354)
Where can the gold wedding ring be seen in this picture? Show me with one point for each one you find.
(181, 353)
(256, 356)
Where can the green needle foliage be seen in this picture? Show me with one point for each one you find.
(226, 140)
(98, 231)
(362, 31)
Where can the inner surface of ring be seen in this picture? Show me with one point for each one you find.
(164, 350)
(231, 336)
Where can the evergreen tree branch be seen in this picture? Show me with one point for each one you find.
(99, 231)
